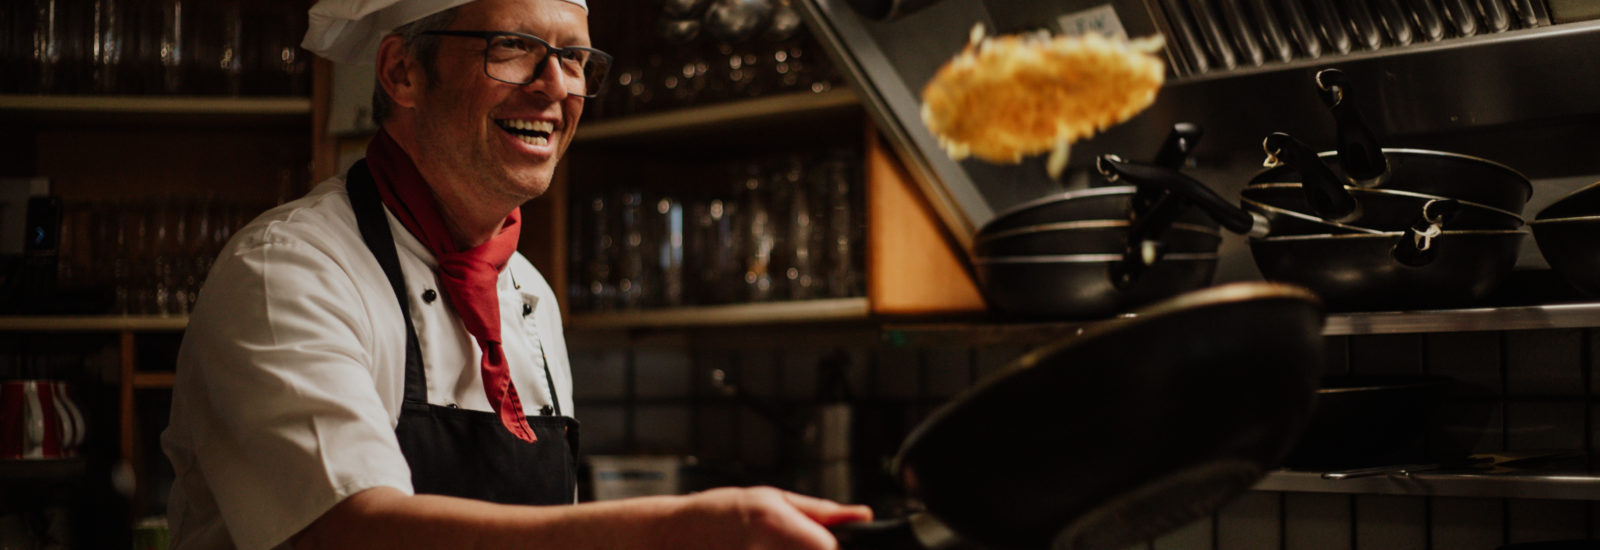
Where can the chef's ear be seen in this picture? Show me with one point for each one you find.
(400, 73)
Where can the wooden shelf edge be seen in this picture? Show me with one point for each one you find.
(805, 311)
(721, 113)
(154, 380)
(199, 105)
(93, 323)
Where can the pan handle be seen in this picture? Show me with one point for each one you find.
(1324, 192)
(1360, 155)
(1153, 209)
(883, 534)
(1232, 217)
(1415, 248)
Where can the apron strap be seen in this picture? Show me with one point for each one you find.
(374, 225)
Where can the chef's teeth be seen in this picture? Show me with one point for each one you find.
(531, 125)
(534, 140)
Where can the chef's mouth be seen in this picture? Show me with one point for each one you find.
(531, 132)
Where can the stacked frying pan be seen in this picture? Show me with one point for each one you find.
(1368, 227)
(1098, 251)
(1567, 234)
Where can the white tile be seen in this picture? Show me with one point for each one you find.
(1545, 425)
(663, 429)
(1194, 536)
(1467, 523)
(948, 370)
(1317, 522)
(1391, 522)
(1386, 354)
(599, 374)
(661, 373)
(1471, 359)
(1251, 522)
(1544, 362)
(1540, 520)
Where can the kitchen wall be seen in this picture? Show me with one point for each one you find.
(649, 392)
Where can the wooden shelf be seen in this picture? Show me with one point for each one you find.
(177, 105)
(717, 116)
(153, 380)
(805, 311)
(94, 323)
(42, 471)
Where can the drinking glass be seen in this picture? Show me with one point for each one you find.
(803, 240)
(48, 44)
(844, 231)
(634, 286)
(760, 236)
(106, 45)
(669, 235)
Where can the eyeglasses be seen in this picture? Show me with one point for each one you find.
(519, 58)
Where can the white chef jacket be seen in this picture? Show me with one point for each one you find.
(291, 373)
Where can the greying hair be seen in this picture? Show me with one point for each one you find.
(424, 47)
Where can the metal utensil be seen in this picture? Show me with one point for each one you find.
(1359, 16)
(1189, 39)
(1244, 34)
(1301, 29)
(1460, 15)
(1426, 15)
(1273, 38)
(1216, 36)
(1331, 25)
(1393, 19)
(1495, 15)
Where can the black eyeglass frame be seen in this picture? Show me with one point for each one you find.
(549, 49)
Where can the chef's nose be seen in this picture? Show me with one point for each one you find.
(552, 81)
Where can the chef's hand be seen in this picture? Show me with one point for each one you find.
(764, 518)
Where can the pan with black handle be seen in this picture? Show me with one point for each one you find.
(1138, 426)
(1364, 162)
(1422, 266)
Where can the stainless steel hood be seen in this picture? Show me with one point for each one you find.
(1527, 96)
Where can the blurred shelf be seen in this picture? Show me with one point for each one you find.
(803, 311)
(718, 116)
(41, 471)
(184, 105)
(154, 380)
(94, 323)
(1530, 485)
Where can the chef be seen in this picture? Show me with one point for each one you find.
(374, 366)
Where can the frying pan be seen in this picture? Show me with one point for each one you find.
(1083, 286)
(1361, 271)
(1583, 202)
(1572, 247)
(1089, 237)
(1140, 425)
(1366, 164)
(1385, 209)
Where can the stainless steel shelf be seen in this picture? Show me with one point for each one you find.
(804, 311)
(1560, 486)
(1578, 315)
(655, 125)
(93, 323)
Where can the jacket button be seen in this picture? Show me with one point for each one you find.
(428, 296)
(527, 309)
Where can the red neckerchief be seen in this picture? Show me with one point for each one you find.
(468, 276)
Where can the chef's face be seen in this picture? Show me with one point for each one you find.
(466, 119)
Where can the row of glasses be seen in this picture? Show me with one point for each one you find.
(667, 59)
(188, 47)
(788, 227)
(153, 254)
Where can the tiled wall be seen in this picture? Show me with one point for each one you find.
(652, 394)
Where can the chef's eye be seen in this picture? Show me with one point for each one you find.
(511, 45)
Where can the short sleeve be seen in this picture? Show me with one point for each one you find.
(277, 387)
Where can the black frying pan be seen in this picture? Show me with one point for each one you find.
(1139, 426)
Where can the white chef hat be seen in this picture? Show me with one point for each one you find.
(348, 31)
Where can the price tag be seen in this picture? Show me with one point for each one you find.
(1100, 19)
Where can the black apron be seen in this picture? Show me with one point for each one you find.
(455, 451)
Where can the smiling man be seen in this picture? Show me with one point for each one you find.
(374, 366)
